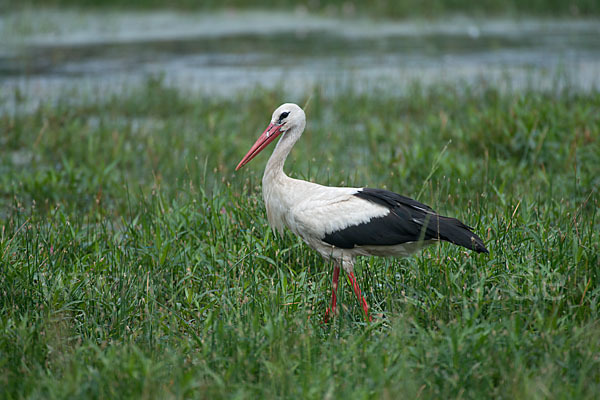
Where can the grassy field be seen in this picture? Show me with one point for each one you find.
(134, 263)
(377, 8)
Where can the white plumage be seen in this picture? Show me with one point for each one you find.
(342, 223)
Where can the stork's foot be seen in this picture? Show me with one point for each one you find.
(334, 286)
(332, 309)
(329, 314)
(359, 296)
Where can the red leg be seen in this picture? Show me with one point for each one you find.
(359, 296)
(334, 286)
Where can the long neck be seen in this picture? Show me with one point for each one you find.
(275, 182)
(274, 168)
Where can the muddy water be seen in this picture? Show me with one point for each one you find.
(46, 53)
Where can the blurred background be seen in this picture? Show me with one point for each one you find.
(135, 263)
(223, 47)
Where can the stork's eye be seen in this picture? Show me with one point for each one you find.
(283, 116)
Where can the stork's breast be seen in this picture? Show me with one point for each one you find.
(275, 215)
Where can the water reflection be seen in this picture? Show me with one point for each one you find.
(47, 52)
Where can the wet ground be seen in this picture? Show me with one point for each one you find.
(47, 53)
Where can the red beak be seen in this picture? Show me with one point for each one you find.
(263, 141)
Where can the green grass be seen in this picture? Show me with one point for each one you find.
(376, 8)
(135, 263)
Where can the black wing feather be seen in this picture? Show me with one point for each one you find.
(408, 221)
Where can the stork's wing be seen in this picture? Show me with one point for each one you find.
(331, 209)
(375, 217)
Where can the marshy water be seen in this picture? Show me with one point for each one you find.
(47, 53)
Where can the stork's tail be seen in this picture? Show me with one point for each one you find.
(454, 231)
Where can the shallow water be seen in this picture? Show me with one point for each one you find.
(47, 53)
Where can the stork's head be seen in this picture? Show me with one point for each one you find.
(288, 116)
(287, 119)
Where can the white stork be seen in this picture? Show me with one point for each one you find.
(342, 222)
